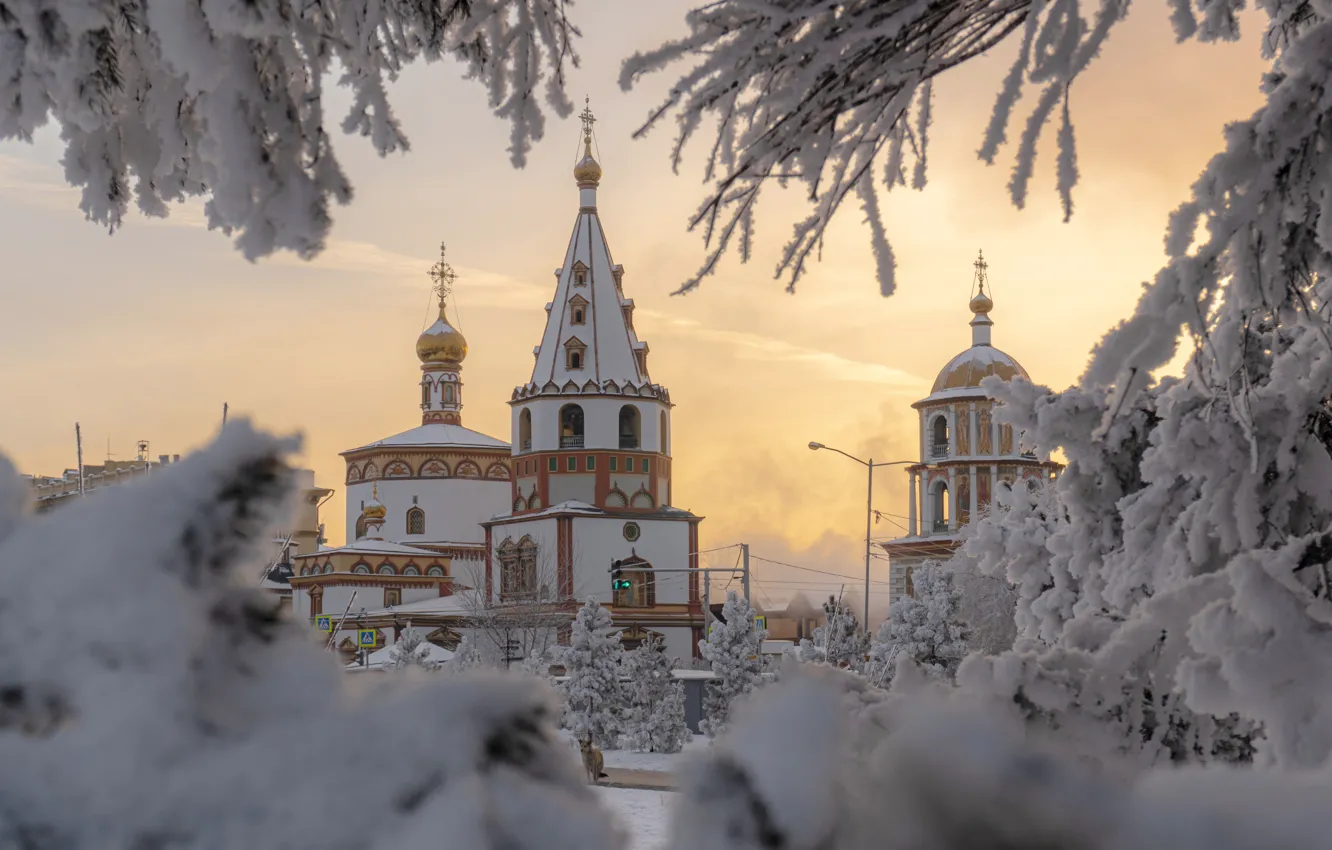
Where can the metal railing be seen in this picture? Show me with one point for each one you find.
(571, 442)
(628, 441)
(940, 525)
(526, 446)
(938, 449)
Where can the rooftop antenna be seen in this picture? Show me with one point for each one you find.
(78, 445)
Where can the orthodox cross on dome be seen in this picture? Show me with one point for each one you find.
(443, 276)
(588, 119)
(981, 267)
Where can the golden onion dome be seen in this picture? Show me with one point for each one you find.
(441, 342)
(981, 303)
(374, 509)
(969, 368)
(587, 173)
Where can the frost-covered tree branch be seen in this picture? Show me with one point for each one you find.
(160, 101)
(837, 96)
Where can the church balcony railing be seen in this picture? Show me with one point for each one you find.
(938, 450)
(571, 442)
(525, 446)
(941, 526)
(628, 442)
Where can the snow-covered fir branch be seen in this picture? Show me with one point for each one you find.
(162, 101)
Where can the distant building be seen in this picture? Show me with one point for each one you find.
(50, 491)
(964, 452)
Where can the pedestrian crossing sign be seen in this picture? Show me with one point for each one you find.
(365, 638)
(324, 623)
(760, 622)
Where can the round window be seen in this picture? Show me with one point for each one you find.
(631, 531)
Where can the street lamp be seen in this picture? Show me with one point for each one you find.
(869, 508)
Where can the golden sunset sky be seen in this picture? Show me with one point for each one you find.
(144, 334)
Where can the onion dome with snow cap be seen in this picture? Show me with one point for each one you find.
(441, 342)
(374, 509)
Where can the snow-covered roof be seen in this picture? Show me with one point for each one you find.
(575, 506)
(457, 604)
(437, 434)
(370, 546)
(603, 333)
(380, 658)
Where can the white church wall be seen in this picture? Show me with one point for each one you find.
(679, 642)
(454, 507)
(573, 487)
(418, 594)
(600, 540)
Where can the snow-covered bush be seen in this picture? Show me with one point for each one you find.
(466, 657)
(926, 628)
(411, 650)
(732, 650)
(156, 696)
(654, 713)
(839, 641)
(592, 692)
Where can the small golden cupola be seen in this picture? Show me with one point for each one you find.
(587, 173)
(441, 342)
(982, 359)
(374, 509)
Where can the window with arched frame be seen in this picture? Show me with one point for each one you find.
(435, 570)
(328, 569)
(940, 506)
(663, 436)
(450, 393)
(361, 569)
(571, 426)
(415, 521)
(411, 570)
(518, 570)
(425, 393)
(525, 431)
(642, 499)
(939, 436)
(631, 427)
(387, 570)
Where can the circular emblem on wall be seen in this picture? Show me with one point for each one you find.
(631, 531)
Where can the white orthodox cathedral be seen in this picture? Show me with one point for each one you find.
(448, 522)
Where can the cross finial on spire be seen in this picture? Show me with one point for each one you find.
(443, 275)
(981, 266)
(588, 119)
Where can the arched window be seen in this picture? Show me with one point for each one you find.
(519, 504)
(305, 571)
(642, 499)
(534, 502)
(525, 431)
(575, 359)
(450, 394)
(362, 569)
(328, 569)
(411, 570)
(633, 589)
(663, 436)
(940, 505)
(616, 498)
(578, 316)
(416, 521)
(425, 393)
(360, 526)
(939, 437)
(630, 427)
(387, 570)
(571, 427)
(436, 570)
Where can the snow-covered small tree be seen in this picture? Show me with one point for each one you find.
(654, 714)
(839, 641)
(411, 650)
(466, 657)
(538, 662)
(925, 627)
(592, 689)
(732, 649)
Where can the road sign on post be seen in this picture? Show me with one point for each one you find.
(324, 622)
(760, 622)
(365, 638)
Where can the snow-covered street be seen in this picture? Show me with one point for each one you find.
(644, 814)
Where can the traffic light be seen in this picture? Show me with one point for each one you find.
(618, 582)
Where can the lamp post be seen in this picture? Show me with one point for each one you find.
(869, 509)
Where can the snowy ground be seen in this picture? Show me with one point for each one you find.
(645, 815)
(652, 761)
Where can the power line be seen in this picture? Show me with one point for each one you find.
(812, 570)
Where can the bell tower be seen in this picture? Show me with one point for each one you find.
(591, 426)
